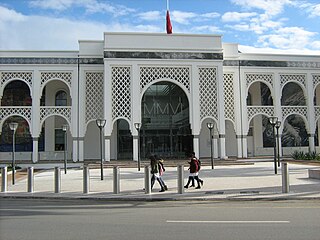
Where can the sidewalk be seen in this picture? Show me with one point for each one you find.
(255, 181)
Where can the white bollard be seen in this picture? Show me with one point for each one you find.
(180, 179)
(147, 180)
(30, 179)
(4, 179)
(86, 179)
(57, 180)
(116, 180)
(285, 177)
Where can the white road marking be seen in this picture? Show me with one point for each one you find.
(204, 221)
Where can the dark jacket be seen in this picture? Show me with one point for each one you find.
(154, 165)
(193, 165)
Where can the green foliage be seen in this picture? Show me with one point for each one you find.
(299, 155)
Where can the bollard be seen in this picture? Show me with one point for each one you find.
(30, 179)
(57, 180)
(180, 179)
(116, 180)
(147, 180)
(4, 179)
(285, 177)
(86, 179)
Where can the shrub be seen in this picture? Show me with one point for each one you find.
(299, 155)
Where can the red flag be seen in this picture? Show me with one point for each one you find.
(169, 26)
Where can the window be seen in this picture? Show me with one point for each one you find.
(61, 98)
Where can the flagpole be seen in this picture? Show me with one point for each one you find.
(167, 4)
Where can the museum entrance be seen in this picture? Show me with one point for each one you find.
(165, 127)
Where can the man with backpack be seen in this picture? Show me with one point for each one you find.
(194, 169)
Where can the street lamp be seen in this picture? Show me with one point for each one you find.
(210, 125)
(273, 122)
(101, 123)
(137, 126)
(278, 124)
(13, 126)
(64, 129)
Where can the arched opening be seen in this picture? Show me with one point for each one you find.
(16, 93)
(23, 139)
(292, 95)
(124, 143)
(54, 139)
(259, 95)
(294, 133)
(260, 136)
(165, 127)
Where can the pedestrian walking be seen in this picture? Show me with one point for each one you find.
(194, 169)
(156, 171)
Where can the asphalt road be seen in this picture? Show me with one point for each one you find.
(82, 219)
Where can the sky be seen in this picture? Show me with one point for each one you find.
(264, 26)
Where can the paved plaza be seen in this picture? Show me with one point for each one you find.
(253, 180)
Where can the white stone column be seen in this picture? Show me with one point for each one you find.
(107, 148)
(194, 109)
(220, 111)
(239, 146)
(81, 149)
(311, 113)
(74, 149)
(135, 148)
(196, 144)
(35, 150)
(35, 115)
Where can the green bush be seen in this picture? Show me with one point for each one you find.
(299, 155)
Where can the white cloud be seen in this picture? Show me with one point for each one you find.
(236, 16)
(151, 16)
(46, 33)
(288, 38)
(206, 29)
(91, 6)
(312, 9)
(271, 7)
(182, 17)
(315, 45)
(210, 15)
(10, 15)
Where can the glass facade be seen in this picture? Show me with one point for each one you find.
(165, 127)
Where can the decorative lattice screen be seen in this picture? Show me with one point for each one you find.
(208, 92)
(252, 77)
(179, 74)
(315, 80)
(94, 95)
(46, 112)
(65, 76)
(288, 110)
(256, 110)
(26, 76)
(284, 78)
(20, 111)
(229, 96)
(121, 92)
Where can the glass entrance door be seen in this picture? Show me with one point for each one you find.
(165, 127)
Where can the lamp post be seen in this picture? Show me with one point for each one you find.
(101, 123)
(13, 126)
(278, 124)
(64, 129)
(137, 126)
(273, 122)
(210, 125)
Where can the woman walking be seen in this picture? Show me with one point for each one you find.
(194, 172)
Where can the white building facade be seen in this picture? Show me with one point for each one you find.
(172, 85)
